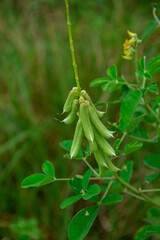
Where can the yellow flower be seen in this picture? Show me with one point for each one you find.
(129, 45)
(132, 35)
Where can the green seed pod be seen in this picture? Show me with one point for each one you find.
(87, 97)
(76, 144)
(101, 162)
(98, 124)
(86, 123)
(72, 95)
(103, 144)
(110, 165)
(71, 117)
(93, 146)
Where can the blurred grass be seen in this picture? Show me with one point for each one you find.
(36, 75)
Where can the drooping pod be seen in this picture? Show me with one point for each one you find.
(93, 146)
(101, 162)
(76, 144)
(110, 165)
(87, 97)
(71, 117)
(98, 124)
(103, 144)
(71, 96)
(86, 123)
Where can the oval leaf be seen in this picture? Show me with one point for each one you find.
(36, 180)
(153, 161)
(112, 199)
(82, 222)
(99, 81)
(112, 72)
(146, 232)
(132, 147)
(48, 169)
(69, 201)
(92, 191)
(86, 178)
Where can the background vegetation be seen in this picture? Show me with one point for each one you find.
(36, 75)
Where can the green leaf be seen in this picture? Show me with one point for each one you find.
(76, 185)
(154, 212)
(111, 86)
(149, 30)
(82, 222)
(147, 75)
(48, 169)
(154, 62)
(69, 201)
(117, 143)
(134, 123)
(152, 177)
(66, 145)
(154, 70)
(132, 147)
(127, 109)
(139, 133)
(142, 62)
(153, 161)
(36, 180)
(126, 173)
(86, 178)
(112, 72)
(99, 81)
(91, 191)
(146, 232)
(153, 87)
(112, 199)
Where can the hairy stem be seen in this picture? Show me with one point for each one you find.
(72, 47)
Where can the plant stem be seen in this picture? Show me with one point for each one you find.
(151, 190)
(106, 192)
(151, 110)
(72, 47)
(136, 65)
(155, 16)
(133, 189)
(144, 78)
(90, 167)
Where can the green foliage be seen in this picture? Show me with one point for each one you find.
(132, 147)
(39, 179)
(36, 180)
(153, 161)
(81, 223)
(112, 199)
(69, 201)
(128, 107)
(26, 229)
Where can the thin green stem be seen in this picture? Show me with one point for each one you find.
(134, 190)
(151, 190)
(107, 190)
(72, 47)
(151, 110)
(87, 163)
(144, 78)
(122, 138)
(136, 65)
(63, 179)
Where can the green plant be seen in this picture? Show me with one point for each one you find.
(136, 109)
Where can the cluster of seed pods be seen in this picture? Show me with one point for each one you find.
(90, 125)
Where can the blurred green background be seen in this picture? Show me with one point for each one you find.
(36, 75)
